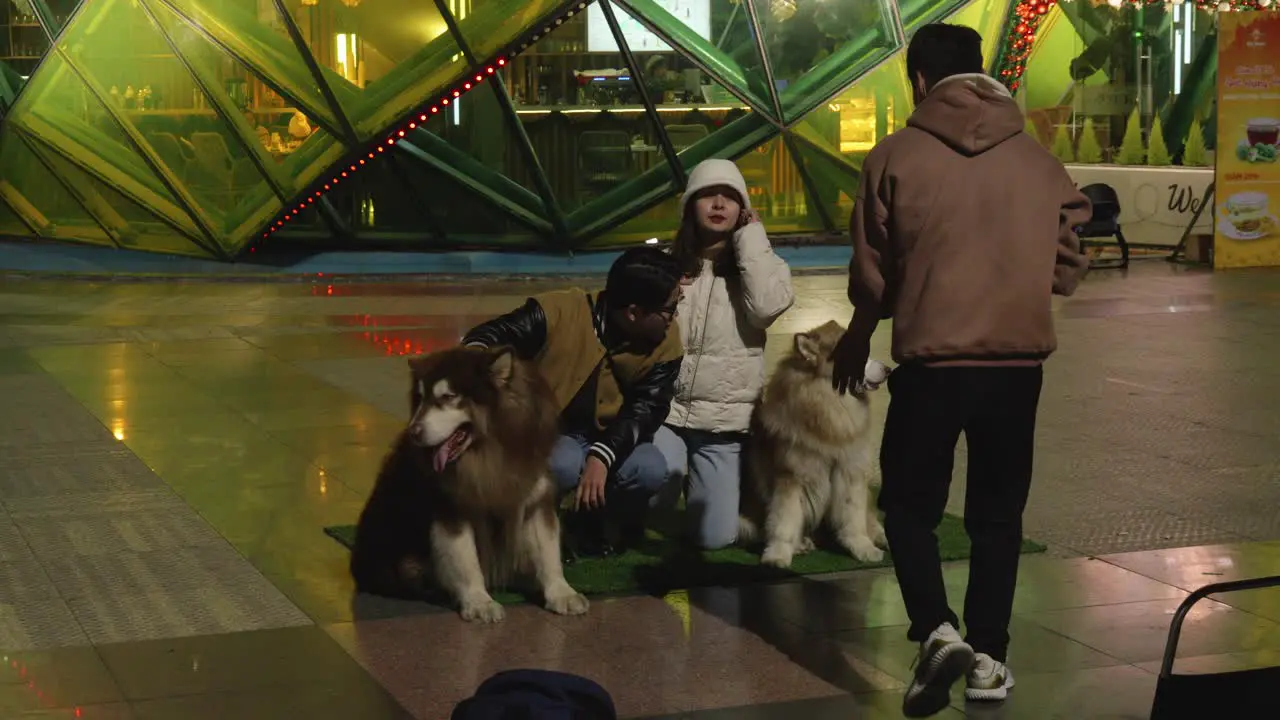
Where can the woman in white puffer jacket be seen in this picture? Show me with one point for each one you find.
(736, 287)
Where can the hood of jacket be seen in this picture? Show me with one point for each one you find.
(971, 113)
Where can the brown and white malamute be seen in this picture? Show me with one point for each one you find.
(809, 459)
(464, 501)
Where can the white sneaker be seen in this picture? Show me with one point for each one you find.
(989, 680)
(944, 658)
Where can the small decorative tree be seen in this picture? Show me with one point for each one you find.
(1195, 154)
(1030, 129)
(1062, 147)
(1157, 151)
(1090, 150)
(1131, 150)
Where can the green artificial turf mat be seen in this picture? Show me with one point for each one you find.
(660, 564)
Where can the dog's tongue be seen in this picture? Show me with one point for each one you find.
(447, 452)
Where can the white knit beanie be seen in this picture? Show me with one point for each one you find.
(709, 173)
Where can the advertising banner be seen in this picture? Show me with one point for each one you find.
(1247, 186)
(1156, 203)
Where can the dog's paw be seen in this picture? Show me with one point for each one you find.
(483, 610)
(806, 546)
(570, 602)
(778, 556)
(863, 549)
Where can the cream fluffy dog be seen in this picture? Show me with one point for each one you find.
(809, 459)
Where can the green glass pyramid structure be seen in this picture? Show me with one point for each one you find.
(206, 127)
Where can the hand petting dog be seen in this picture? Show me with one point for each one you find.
(849, 362)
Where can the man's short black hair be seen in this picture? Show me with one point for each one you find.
(938, 51)
(642, 276)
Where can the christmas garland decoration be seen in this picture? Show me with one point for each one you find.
(1028, 14)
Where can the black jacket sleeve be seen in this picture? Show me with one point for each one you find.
(644, 409)
(524, 329)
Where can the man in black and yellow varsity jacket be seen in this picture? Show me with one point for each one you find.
(612, 361)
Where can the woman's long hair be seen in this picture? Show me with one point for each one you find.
(686, 248)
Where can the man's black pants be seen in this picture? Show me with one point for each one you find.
(995, 408)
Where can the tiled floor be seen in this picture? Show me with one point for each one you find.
(171, 451)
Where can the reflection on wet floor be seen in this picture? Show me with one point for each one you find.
(173, 450)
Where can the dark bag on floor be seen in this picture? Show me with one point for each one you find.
(537, 695)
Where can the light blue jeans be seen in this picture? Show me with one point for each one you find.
(633, 484)
(712, 461)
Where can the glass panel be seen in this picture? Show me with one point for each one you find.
(834, 181)
(10, 83)
(987, 17)
(658, 223)
(22, 39)
(833, 139)
(10, 223)
(286, 140)
(861, 115)
(255, 32)
(236, 93)
(383, 199)
(308, 222)
(915, 13)
(401, 197)
(490, 25)
(776, 190)
(1103, 63)
(307, 161)
(42, 199)
(461, 215)
(690, 104)
(818, 46)
(383, 59)
(477, 125)
(583, 114)
(121, 50)
(134, 226)
(717, 33)
(61, 11)
(61, 111)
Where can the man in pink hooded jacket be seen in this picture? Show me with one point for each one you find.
(962, 230)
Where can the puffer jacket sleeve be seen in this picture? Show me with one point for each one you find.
(766, 278)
